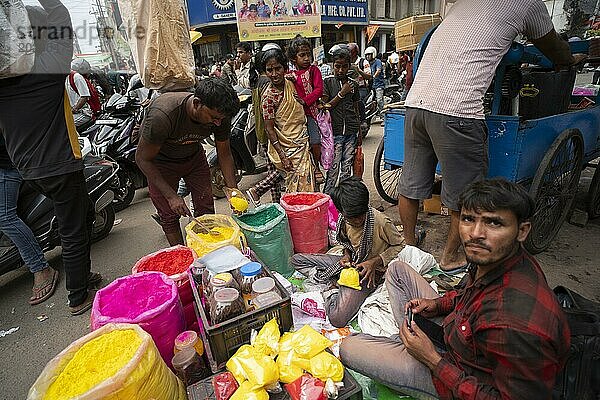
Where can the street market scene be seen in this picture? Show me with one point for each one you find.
(299, 199)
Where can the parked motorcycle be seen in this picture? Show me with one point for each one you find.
(244, 146)
(37, 211)
(116, 138)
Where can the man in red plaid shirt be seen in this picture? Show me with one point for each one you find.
(504, 334)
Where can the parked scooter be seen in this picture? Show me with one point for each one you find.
(116, 138)
(37, 211)
(244, 146)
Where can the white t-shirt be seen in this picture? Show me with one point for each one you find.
(365, 67)
(81, 86)
(461, 59)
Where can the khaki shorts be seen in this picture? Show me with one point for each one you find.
(459, 144)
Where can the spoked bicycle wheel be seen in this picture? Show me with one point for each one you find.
(554, 188)
(386, 180)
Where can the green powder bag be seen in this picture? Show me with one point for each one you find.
(267, 232)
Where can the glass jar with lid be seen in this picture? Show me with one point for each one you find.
(250, 273)
(225, 304)
(190, 367)
(221, 281)
(189, 339)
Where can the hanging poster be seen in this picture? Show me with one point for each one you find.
(277, 19)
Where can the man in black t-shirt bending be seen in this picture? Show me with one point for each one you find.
(170, 150)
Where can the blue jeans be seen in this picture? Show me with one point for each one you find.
(343, 157)
(13, 226)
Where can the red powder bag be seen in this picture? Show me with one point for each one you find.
(306, 388)
(224, 385)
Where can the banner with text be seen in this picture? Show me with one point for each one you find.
(277, 19)
(345, 11)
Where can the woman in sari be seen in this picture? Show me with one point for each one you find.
(285, 125)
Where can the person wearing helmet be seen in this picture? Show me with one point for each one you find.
(378, 75)
(78, 91)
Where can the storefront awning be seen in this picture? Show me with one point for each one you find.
(195, 36)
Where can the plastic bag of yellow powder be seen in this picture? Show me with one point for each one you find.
(307, 342)
(291, 366)
(254, 366)
(203, 243)
(326, 366)
(267, 340)
(117, 361)
(247, 392)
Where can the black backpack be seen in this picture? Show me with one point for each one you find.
(580, 378)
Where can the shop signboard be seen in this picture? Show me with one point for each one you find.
(214, 12)
(277, 19)
(211, 12)
(351, 12)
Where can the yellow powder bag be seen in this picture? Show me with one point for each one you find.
(247, 392)
(267, 340)
(307, 342)
(326, 366)
(117, 361)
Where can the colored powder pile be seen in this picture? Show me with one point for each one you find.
(302, 199)
(134, 296)
(169, 262)
(260, 218)
(94, 362)
(225, 233)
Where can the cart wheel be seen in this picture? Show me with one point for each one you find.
(554, 188)
(386, 181)
(593, 200)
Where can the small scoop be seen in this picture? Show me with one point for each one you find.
(207, 230)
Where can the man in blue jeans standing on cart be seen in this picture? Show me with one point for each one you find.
(444, 116)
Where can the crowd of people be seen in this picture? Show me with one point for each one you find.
(500, 334)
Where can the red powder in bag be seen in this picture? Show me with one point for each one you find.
(224, 385)
(170, 262)
(303, 199)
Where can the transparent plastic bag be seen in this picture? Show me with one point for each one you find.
(145, 376)
(267, 340)
(271, 241)
(308, 219)
(149, 299)
(17, 51)
(249, 364)
(307, 342)
(326, 366)
(204, 243)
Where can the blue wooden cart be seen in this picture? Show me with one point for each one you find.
(546, 155)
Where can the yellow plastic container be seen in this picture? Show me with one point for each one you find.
(202, 243)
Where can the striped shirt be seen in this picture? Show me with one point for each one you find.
(460, 61)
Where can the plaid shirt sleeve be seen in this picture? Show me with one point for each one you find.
(528, 366)
(446, 302)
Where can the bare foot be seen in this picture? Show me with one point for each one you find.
(452, 262)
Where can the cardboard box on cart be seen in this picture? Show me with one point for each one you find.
(409, 31)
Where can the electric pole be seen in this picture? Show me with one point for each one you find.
(105, 31)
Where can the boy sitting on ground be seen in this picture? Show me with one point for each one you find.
(370, 242)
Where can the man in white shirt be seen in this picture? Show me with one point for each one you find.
(444, 117)
(79, 93)
(243, 64)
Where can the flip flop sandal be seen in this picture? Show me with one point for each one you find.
(85, 306)
(48, 284)
(255, 203)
